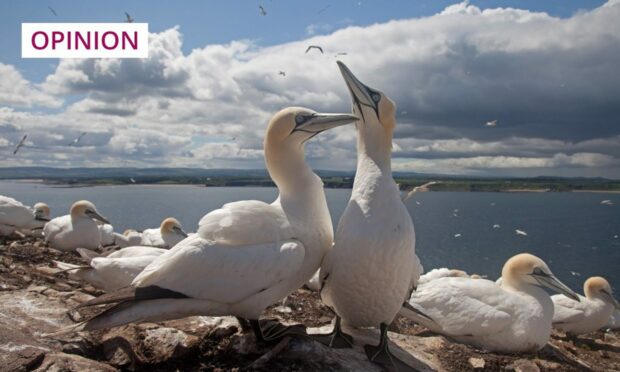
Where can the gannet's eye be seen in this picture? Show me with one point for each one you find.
(538, 271)
(376, 97)
(299, 119)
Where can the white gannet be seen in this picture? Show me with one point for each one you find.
(368, 274)
(520, 232)
(513, 317)
(75, 230)
(169, 233)
(441, 273)
(492, 123)
(128, 238)
(107, 234)
(116, 270)
(248, 254)
(591, 313)
(16, 216)
(614, 321)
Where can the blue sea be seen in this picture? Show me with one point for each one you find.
(573, 232)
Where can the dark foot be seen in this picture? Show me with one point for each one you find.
(244, 323)
(269, 331)
(336, 339)
(382, 356)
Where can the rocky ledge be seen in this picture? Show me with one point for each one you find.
(36, 299)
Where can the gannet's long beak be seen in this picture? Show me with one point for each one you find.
(41, 218)
(97, 216)
(612, 299)
(318, 122)
(180, 231)
(361, 94)
(553, 283)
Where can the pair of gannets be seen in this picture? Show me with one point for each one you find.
(114, 271)
(591, 313)
(167, 235)
(78, 229)
(246, 255)
(16, 216)
(369, 273)
(514, 317)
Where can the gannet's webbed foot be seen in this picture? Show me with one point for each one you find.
(268, 331)
(244, 323)
(381, 354)
(336, 339)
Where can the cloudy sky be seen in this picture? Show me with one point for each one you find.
(548, 72)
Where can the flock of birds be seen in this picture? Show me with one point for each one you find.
(249, 255)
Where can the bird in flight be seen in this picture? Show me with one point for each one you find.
(520, 232)
(340, 54)
(128, 18)
(282, 73)
(77, 140)
(324, 9)
(314, 47)
(491, 123)
(20, 144)
(262, 10)
(421, 188)
(53, 11)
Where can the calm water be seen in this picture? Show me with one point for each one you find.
(570, 231)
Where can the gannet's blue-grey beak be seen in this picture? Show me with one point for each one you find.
(38, 217)
(95, 215)
(553, 283)
(612, 299)
(180, 231)
(360, 93)
(316, 123)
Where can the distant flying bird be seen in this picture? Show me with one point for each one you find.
(282, 73)
(53, 11)
(496, 226)
(574, 273)
(132, 180)
(324, 9)
(77, 140)
(457, 235)
(128, 18)
(314, 47)
(262, 10)
(492, 123)
(20, 144)
(520, 232)
(421, 188)
(340, 54)
(607, 202)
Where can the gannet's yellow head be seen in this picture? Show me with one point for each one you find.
(376, 110)
(475, 276)
(526, 268)
(129, 231)
(598, 287)
(172, 225)
(84, 208)
(41, 212)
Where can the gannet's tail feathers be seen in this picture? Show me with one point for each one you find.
(418, 316)
(64, 267)
(87, 253)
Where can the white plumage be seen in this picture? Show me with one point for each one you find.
(167, 235)
(16, 216)
(107, 234)
(75, 230)
(514, 317)
(441, 273)
(591, 313)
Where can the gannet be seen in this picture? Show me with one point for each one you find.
(77, 140)
(314, 47)
(16, 216)
(128, 18)
(20, 144)
(107, 234)
(368, 273)
(492, 123)
(116, 270)
(128, 238)
(441, 273)
(248, 254)
(77, 229)
(614, 321)
(169, 233)
(513, 317)
(589, 314)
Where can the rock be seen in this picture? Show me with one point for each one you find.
(20, 357)
(71, 363)
(604, 354)
(522, 365)
(476, 363)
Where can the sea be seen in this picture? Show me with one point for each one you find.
(576, 234)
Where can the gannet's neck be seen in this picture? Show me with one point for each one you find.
(373, 152)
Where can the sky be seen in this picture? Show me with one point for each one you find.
(546, 71)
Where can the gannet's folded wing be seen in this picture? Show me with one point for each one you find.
(245, 222)
(14, 213)
(202, 269)
(56, 226)
(459, 307)
(566, 310)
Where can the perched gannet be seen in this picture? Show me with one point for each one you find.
(107, 234)
(513, 317)
(75, 230)
(589, 314)
(169, 233)
(441, 273)
(116, 270)
(614, 321)
(246, 255)
(16, 216)
(128, 238)
(368, 274)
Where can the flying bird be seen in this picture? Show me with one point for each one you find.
(128, 18)
(282, 73)
(77, 140)
(607, 202)
(20, 144)
(492, 123)
(324, 9)
(340, 54)
(496, 226)
(262, 10)
(314, 47)
(53, 11)
(421, 188)
(132, 180)
(520, 232)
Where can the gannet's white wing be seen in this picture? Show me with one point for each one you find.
(202, 269)
(137, 251)
(246, 222)
(462, 306)
(14, 213)
(566, 310)
(56, 226)
(152, 237)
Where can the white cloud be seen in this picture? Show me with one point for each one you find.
(17, 91)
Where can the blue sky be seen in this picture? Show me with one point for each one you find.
(546, 70)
